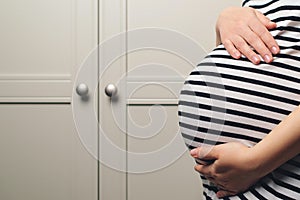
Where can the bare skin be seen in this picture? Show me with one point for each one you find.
(235, 174)
(241, 30)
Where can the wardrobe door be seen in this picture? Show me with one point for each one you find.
(42, 156)
(43, 44)
(181, 33)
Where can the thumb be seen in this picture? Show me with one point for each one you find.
(205, 153)
(265, 20)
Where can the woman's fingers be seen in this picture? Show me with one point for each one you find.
(257, 42)
(224, 193)
(265, 20)
(246, 50)
(203, 169)
(255, 36)
(208, 153)
(232, 50)
(263, 32)
(245, 31)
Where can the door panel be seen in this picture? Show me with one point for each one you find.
(42, 156)
(42, 45)
(168, 180)
(155, 76)
(194, 18)
(112, 110)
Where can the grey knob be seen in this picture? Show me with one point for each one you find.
(82, 89)
(110, 90)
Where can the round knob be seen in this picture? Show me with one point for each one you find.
(110, 90)
(82, 89)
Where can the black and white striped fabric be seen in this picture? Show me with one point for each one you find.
(226, 100)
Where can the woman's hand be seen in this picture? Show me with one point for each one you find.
(234, 168)
(243, 29)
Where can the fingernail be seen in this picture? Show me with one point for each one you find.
(237, 54)
(255, 59)
(267, 58)
(274, 50)
(194, 152)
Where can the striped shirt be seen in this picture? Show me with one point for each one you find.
(225, 100)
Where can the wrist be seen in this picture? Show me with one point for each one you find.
(279, 146)
(257, 162)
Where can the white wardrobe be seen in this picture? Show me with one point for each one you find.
(122, 144)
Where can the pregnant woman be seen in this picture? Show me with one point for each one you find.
(241, 120)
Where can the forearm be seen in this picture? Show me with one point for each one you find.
(280, 145)
(235, 174)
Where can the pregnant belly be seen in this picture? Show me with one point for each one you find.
(225, 100)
